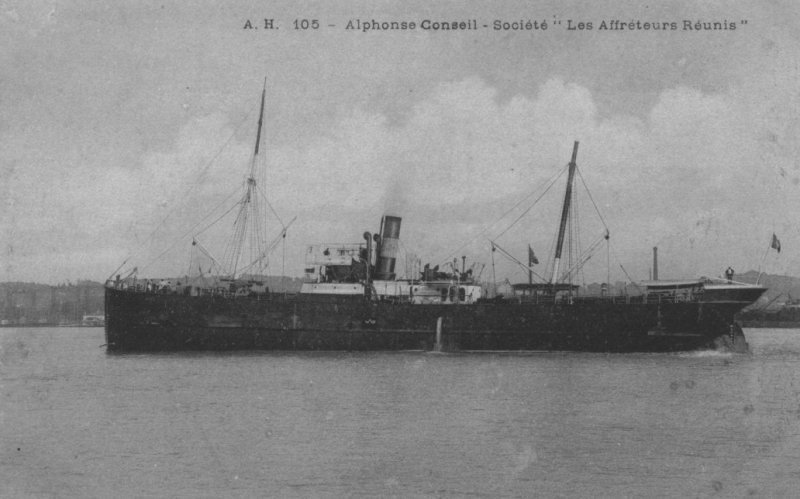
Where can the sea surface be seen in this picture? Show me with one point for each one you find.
(78, 422)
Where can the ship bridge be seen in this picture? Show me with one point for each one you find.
(335, 262)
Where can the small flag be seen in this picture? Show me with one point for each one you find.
(532, 260)
(776, 244)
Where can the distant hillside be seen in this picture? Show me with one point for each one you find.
(780, 288)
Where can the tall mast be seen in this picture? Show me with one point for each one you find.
(564, 213)
(249, 197)
(261, 116)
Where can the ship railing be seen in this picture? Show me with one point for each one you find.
(151, 287)
(614, 299)
(671, 297)
(633, 299)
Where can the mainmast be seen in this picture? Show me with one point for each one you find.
(564, 213)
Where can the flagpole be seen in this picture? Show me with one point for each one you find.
(763, 260)
(530, 264)
(773, 243)
(494, 276)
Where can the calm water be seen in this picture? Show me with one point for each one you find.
(76, 422)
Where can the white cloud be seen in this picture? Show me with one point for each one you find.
(699, 174)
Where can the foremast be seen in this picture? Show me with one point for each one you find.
(248, 206)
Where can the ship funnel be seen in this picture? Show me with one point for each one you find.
(388, 247)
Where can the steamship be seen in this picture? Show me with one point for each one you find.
(352, 299)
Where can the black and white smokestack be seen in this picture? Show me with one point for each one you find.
(388, 248)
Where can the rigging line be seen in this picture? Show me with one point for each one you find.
(202, 174)
(241, 232)
(582, 258)
(272, 245)
(511, 257)
(120, 266)
(253, 234)
(596, 209)
(617, 260)
(194, 186)
(270, 206)
(234, 192)
(170, 247)
(764, 307)
(629, 277)
(204, 251)
(260, 223)
(552, 181)
(191, 262)
(578, 249)
(608, 262)
(192, 228)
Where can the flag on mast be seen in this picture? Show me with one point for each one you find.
(776, 244)
(532, 260)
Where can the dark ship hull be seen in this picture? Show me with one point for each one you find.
(139, 321)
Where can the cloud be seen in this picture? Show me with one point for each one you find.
(695, 159)
(698, 174)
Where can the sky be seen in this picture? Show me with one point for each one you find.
(121, 124)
